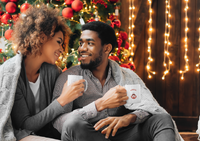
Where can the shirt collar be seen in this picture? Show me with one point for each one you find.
(89, 73)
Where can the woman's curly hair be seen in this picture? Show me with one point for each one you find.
(29, 30)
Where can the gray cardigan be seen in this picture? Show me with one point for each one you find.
(23, 116)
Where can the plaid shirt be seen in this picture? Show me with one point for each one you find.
(85, 105)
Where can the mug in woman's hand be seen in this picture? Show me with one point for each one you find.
(74, 78)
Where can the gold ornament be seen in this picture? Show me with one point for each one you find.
(126, 53)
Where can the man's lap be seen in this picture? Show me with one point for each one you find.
(144, 131)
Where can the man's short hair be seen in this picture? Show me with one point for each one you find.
(105, 32)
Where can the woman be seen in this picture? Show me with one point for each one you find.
(40, 36)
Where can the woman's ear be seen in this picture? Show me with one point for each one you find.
(43, 38)
(107, 48)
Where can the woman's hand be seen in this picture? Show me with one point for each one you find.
(71, 92)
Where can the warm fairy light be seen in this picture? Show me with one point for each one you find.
(150, 59)
(186, 42)
(131, 28)
(167, 61)
(198, 65)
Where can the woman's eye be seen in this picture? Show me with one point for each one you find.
(59, 42)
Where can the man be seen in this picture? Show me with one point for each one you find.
(99, 115)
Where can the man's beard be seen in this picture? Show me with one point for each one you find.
(93, 64)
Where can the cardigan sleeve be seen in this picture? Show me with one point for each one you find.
(22, 117)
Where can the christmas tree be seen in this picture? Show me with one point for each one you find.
(76, 13)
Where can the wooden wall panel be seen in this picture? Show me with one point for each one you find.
(159, 47)
(181, 98)
(172, 79)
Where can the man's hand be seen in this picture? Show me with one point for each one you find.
(114, 124)
(115, 97)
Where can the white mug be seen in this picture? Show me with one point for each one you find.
(133, 92)
(74, 78)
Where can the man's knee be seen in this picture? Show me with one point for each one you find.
(162, 121)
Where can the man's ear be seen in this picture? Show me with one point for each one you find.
(107, 48)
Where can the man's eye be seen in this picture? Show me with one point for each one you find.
(89, 43)
(80, 44)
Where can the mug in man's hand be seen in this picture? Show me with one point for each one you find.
(74, 78)
(133, 92)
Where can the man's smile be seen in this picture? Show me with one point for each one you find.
(84, 56)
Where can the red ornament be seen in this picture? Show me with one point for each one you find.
(112, 24)
(114, 58)
(14, 1)
(77, 5)
(126, 45)
(123, 35)
(5, 1)
(5, 17)
(117, 23)
(111, 17)
(113, 1)
(0, 50)
(68, 2)
(8, 34)
(91, 20)
(119, 42)
(1, 13)
(132, 66)
(24, 7)
(125, 66)
(11, 7)
(67, 12)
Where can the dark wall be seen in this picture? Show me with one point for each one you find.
(181, 98)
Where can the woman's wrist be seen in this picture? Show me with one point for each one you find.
(60, 101)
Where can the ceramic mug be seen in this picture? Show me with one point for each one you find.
(74, 78)
(133, 92)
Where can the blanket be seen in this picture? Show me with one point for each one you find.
(148, 102)
(9, 74)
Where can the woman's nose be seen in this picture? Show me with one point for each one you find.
(61, 49)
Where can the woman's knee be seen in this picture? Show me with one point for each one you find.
(73, 123)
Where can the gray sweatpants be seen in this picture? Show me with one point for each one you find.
(155, 128)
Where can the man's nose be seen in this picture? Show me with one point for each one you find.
(83, 46)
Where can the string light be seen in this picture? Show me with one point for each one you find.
(150, 59)
(131, 28)
(198, 65)
(167, 42)
(182, 72)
